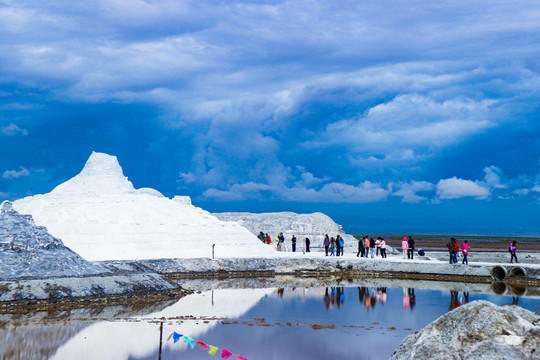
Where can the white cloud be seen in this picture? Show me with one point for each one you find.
(13, 130)
(14, 174)
(408, 191)
(493, 177)
(521, 192)
(455, 188)
(410, 123)
(329, 193)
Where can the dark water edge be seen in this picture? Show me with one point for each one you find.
(367, 321)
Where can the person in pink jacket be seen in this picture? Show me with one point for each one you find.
(405, 246)
(465, 252)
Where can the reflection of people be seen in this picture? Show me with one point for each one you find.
(466, 296)
(512, 250)
(454, 302)
(515, 300)
(326, 299)
(412, 298)
(406, 299)
(280, 292)
(340, 296)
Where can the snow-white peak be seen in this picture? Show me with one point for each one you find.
(101, 174)
(101, 216)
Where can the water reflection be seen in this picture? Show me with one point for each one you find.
(301, 318)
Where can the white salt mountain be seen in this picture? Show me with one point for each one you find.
(101, 216)
(27, 250)
(314, 226)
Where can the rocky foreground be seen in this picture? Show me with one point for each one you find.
(27, 250)
(479, 330)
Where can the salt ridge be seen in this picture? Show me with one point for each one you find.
(101, 216)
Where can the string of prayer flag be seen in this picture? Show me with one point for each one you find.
(212, 350)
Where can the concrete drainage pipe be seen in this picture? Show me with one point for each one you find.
(518, 271)
(498, 273)
(498, 287)
(518, 290)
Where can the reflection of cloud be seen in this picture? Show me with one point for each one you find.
(125, 340)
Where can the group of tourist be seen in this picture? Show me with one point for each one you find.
(369, 247)
(280, 242)
(453, 249)
(331, 243)
(407, 247)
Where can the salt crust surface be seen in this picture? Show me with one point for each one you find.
(101, 216)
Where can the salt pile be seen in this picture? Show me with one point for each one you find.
(101, 216)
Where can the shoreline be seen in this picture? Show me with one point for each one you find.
(148, 280)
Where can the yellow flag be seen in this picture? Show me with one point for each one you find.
(213, 350)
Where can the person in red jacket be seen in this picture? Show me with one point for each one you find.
(455, 249)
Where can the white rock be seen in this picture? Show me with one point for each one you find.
(479, 330)
(101, 216)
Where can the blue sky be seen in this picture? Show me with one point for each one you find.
(389, 116)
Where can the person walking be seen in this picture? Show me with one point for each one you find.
(338, 250)
(293, 243)
(307, 244)
(410, 248)
(404, 246)
(326, 244)
(512, 249)
(332, 246)
(465, 251)
(382, 244)
(360, 247)
(341, 243)
(377, 246)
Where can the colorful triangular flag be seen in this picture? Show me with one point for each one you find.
(213, 350)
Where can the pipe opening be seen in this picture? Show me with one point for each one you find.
(498, 287)
(518, 290)
(518, 271)
(498, 273)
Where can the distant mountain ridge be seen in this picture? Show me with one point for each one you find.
(314, 225)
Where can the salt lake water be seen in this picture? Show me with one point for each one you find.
(321, 322)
